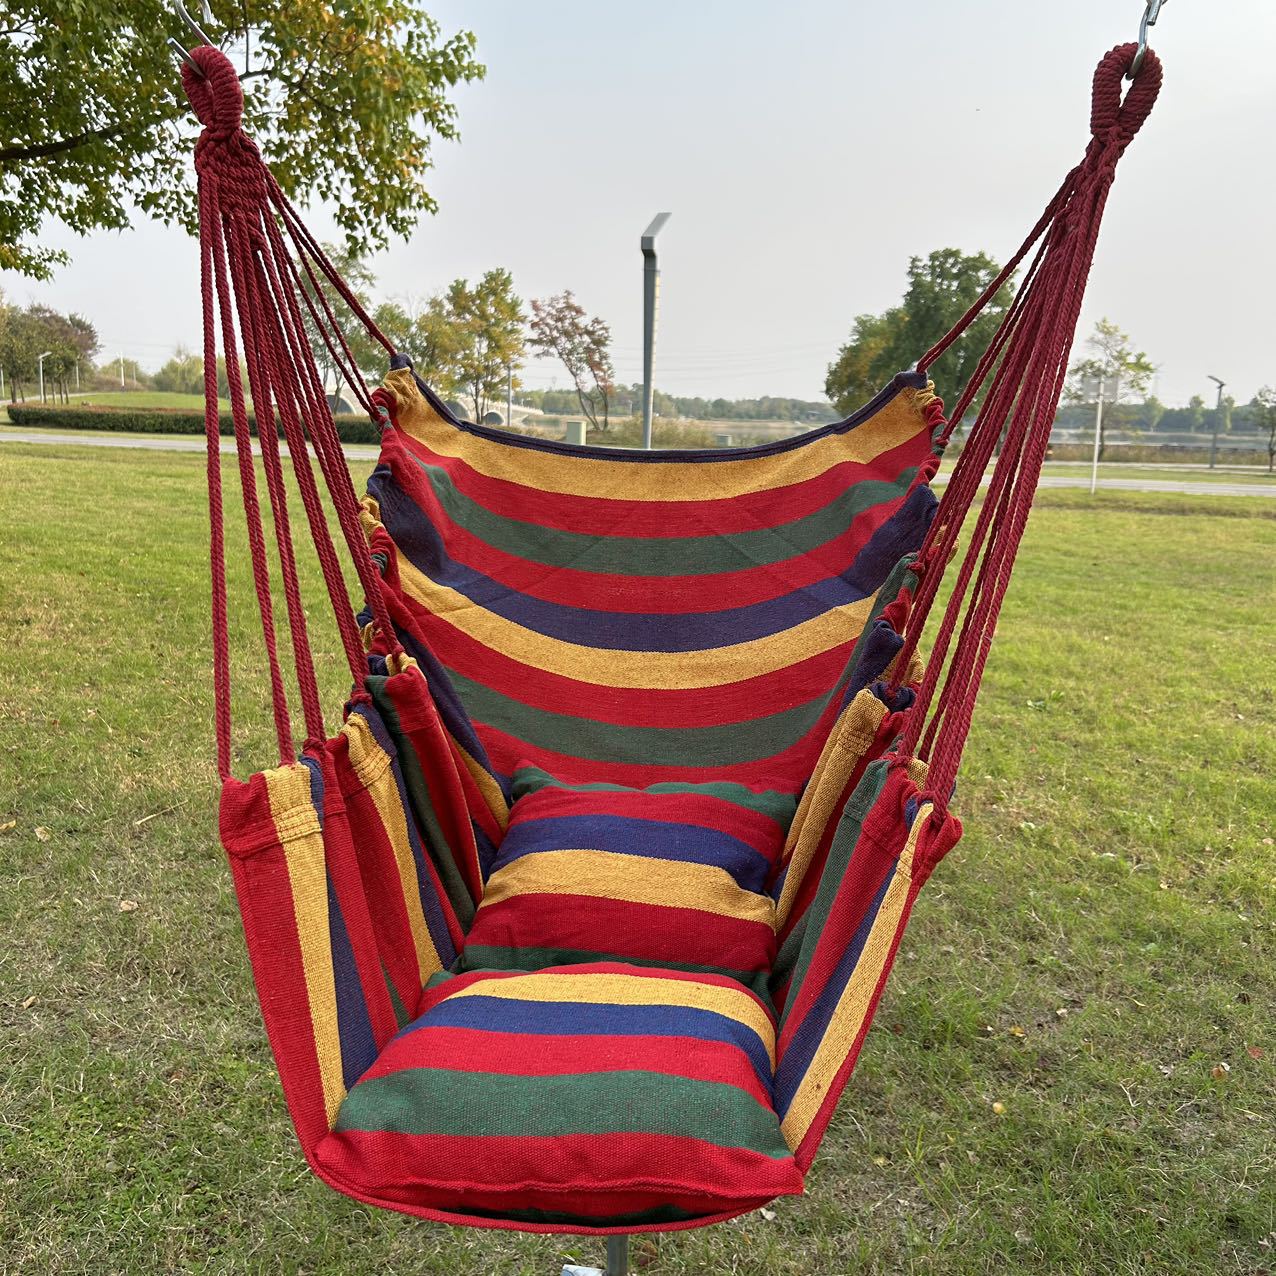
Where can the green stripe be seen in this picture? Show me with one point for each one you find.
(433, 838)
(444, 1102)
(705, 555)
(798, 949)
(490, 957)
(401, 1016)
(584, 738)
(768, 802)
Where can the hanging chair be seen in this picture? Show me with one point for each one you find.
(580, 919)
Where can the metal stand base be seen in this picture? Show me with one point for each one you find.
(618, 1256)
(617, 1260)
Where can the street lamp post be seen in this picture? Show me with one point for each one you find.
(1098, 439)
(39, 363)
(650, 299)
(1218, 417)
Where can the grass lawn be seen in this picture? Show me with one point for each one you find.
(1074, 1069)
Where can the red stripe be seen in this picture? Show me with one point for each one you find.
(534, 1055)
(264, 892)
(701, 810)
(419, 720)
(715, 706)
(348, 887)
(642, 1171)
(887, 729)
(635, 594)
(641, 932)
(593, 515)
(882, 838)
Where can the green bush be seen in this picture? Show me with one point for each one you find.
(159, 421)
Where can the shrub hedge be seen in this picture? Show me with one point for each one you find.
(159, 421)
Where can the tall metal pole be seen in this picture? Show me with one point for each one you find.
(121, 372)
(39, 363)
(1218, 417)
(1098, 435)
(509, 395)
(650, 300)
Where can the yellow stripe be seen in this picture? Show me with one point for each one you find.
(849, 740)
(647, 670)
(852, 1006)
(488, 788)
(297, 824)
(590, 988)
(634, 879)
(372, 764)
(576, 475)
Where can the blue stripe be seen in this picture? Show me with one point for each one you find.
(588, 1019)
(806, 1040)
(653, 839)
(354, 1028)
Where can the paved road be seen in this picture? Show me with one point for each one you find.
(358, 452)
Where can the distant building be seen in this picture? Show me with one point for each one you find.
(458, 409)
(339, 405)
(493, 418)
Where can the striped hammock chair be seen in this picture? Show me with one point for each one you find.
(579, 921)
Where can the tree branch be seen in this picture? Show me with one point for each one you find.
(41, 149)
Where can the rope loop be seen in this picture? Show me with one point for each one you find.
(213, 90)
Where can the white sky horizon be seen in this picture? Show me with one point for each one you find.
(805, 153)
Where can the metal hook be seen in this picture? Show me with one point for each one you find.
(176, 46)
(1151, 11)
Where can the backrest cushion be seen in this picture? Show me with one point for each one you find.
(675, 875)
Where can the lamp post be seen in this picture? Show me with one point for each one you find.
(39, 363)
(650, 299)
(1218, 416)
(1098, 438)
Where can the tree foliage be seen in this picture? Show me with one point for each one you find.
(69, 340)
(487, 319)
(941, 288)
(1113, 368)
(1263, 409)
(562, 330)
(346, 101)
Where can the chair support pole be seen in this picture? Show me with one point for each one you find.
(618, 1256)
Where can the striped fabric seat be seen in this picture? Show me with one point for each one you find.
(675, 875)
(578, 1098)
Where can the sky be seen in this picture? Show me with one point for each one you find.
(806, 150)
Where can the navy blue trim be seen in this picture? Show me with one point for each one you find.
(900, 381)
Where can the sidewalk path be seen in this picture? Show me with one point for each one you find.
(365, 452)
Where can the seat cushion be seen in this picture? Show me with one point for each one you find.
(581, 1098)
(675, 875)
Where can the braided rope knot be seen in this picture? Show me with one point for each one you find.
(1116, 116)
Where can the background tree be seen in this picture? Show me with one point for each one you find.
(941, 288)
(1124, 373)
(1263, 410)
(345, 100)
(428, 335)
(368, 355)
(182, 374)
(487, 320)
(562, 329)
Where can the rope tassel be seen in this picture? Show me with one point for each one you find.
(254, 253)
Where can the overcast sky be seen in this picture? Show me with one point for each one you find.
(806, 150)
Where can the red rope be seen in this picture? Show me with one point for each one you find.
(1028, 363)
(249, 276)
